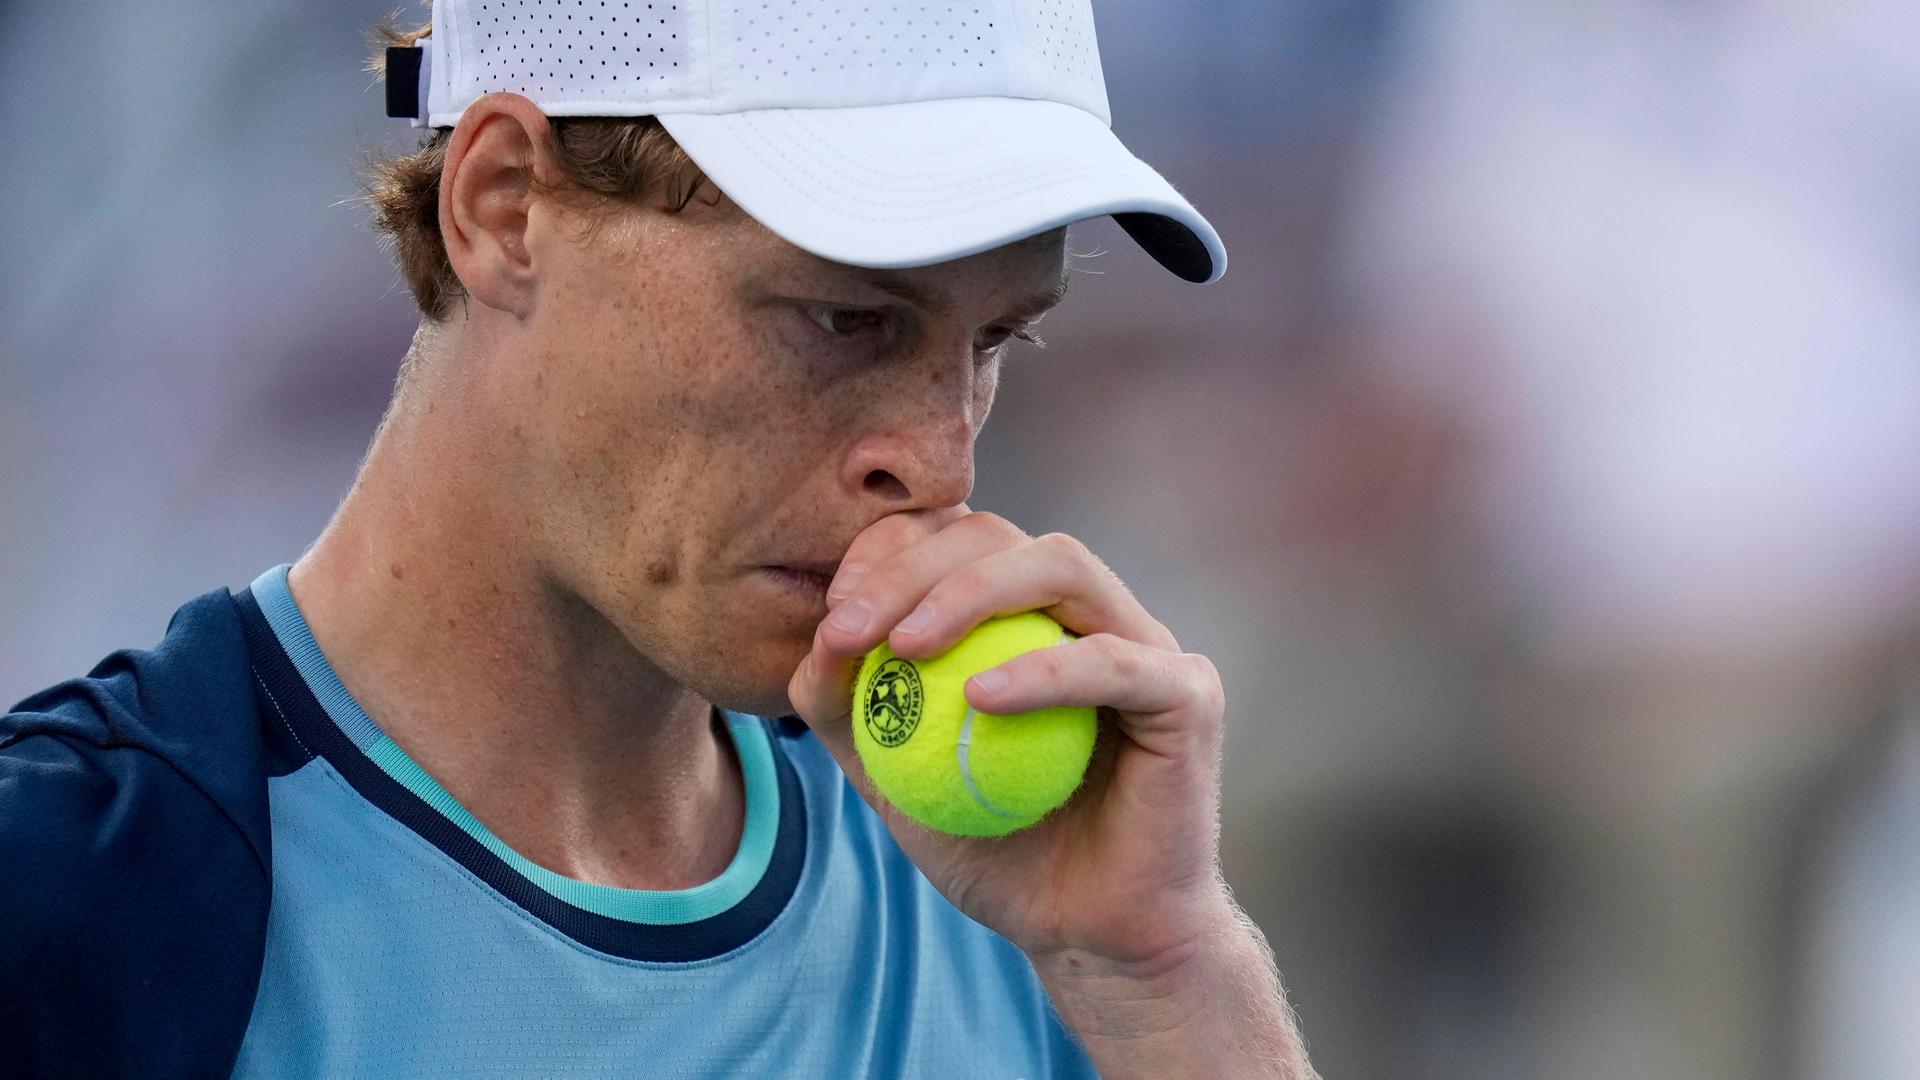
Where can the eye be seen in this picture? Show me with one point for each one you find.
(995, 336)
(992, 338)
(846, 322)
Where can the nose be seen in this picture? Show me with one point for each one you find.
(918, 450)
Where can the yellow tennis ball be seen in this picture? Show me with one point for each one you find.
(952, 768)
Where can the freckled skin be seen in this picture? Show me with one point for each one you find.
(686, 424)
(549, 569)
(586, 469)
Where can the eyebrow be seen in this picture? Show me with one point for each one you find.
(894, 285)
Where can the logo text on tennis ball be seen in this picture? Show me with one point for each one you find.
(893, 702)
(951, 767)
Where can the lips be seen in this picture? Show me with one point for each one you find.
(803, 583)
(824, 568)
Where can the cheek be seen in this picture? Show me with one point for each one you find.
(672, 444)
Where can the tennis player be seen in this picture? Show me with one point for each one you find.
(537, 763)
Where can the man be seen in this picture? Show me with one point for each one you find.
(539, 762)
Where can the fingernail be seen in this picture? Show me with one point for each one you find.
(844, 581)
(992, 682)
(852, 618)
(918, 621)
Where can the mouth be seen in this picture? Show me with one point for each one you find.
(823, 569)
(810, 579)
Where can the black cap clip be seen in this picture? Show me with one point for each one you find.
(403, 81)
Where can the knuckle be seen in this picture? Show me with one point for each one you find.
(1048, 666)
(884, 582)
(1122, 655)
(873, 544)
(1202, 667)
(989, 524)
(1076, 553)
(969, 581)
(1068, 546)
(1205, 678)
(897, 530)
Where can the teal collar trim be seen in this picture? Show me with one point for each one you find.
(659, 907)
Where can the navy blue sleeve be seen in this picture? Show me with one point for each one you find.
(133, 864)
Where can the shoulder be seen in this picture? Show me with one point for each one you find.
(177, 723)
(133, 825)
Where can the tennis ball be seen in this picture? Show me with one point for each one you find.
(952, 768)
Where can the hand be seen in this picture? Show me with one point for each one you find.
(1127, 871)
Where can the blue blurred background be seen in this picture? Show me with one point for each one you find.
(1544, 477)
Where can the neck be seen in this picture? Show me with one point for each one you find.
(519, 698)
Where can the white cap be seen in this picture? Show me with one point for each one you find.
(879, 133)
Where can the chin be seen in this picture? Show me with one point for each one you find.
(757, 682)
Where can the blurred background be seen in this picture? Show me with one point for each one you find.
(1544, 477)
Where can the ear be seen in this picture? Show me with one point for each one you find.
(499, 146)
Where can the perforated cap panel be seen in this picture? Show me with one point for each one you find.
(560, 51)
(630, 57)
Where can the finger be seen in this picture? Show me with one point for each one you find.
(821, 689)
(827, 714)
(1054, 573)
(822, 685)
(894, 587)
(1156, 693)
(883, 539)
(827, 709)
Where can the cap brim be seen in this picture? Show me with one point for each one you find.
(917, 183)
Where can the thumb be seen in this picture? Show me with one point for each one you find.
(821, 692)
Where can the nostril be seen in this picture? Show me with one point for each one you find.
(882, 482)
